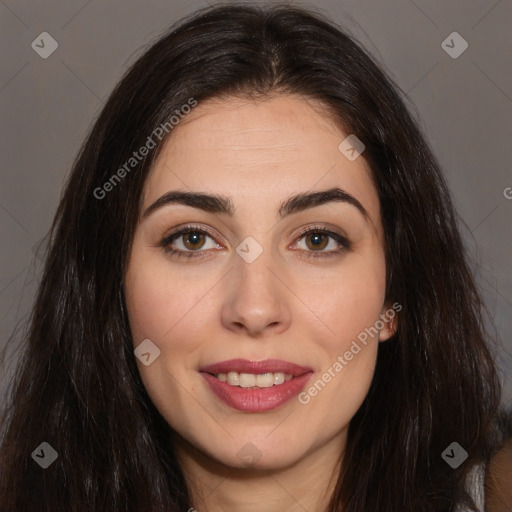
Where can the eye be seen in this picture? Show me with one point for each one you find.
(190, 241)
(317, 238)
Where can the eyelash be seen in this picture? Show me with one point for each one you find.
(178, 253)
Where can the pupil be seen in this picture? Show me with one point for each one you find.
(194, 238)
(317, 241)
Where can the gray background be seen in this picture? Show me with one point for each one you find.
(47, 105)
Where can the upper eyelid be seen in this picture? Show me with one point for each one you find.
(303, 232)
(188, 228)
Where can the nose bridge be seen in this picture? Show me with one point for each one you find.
(255, 275)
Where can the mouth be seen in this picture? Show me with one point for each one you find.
(250, 380)
(255, 386)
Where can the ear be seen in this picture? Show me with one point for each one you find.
(389, 317)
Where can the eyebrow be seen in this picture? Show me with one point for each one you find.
(218, 204)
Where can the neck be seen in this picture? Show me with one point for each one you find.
(308, 484)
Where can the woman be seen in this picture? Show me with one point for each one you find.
(256, 295)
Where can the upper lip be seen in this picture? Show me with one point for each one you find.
(256, 367)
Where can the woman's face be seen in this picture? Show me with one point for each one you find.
(245, 284)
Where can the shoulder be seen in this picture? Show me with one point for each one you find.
(498, 480)
(491, 490)
(475, 485)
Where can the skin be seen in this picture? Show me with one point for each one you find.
(498, 492)
(283, 305)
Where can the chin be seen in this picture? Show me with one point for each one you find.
(257, 455)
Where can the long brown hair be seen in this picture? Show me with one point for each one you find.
(78, 387)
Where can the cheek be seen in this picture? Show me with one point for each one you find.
(353, 315)
(167, 310)
(348, 353)
(160, 303)
(347, 301)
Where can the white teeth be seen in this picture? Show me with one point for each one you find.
(233, 379)
(249, 380)
(265, 380)
(279, 378)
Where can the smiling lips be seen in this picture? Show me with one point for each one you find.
(255, 386)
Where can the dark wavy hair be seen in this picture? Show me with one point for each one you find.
(77, 385)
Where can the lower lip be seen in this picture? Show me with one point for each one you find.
(256, 400)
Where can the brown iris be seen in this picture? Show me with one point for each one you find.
(317, 241)
(193, 240)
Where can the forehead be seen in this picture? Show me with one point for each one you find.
(257, 150)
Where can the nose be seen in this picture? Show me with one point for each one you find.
(256, 302)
